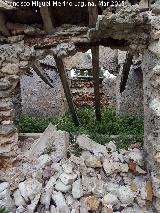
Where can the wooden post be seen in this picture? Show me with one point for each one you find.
(63, 77)
(125, 71)
(93, 13)
(47, 21)
(95, 64)
(149, 4)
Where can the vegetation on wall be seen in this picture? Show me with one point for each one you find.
(111, 124)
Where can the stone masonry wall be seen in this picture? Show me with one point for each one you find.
(13, 60)
(39, 99)
(151, 72)
(146, 41)
(130, 101)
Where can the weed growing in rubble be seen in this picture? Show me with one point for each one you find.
(111, 124)
(3, 210)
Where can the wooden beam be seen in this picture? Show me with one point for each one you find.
(47, 21)
(149, 4)
(125, 71)
(42, 74)
(62, 73)
(3, 28)
(95, 64)
(93, 13)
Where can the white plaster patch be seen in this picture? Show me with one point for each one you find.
(107, 74)
(155, 106)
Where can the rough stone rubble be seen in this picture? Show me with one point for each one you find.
(143, 36)
(13, 62)
(121, 27)
(50, 178)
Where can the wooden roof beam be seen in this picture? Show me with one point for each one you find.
(93, 13)
(47, 20)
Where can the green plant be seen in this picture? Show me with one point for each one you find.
(49, 149)
(29, 124)
(3, 210)
(110, 124)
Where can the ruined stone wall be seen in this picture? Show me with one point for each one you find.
(108, 59)
(38, 98)
(17, 99)
(145, 39)
(82, 90)
(149, 46)
(151, 70)
(14, 59)
(130, 101)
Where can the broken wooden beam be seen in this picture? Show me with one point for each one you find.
(47, 20)
(63, 76)
(42, 74)
(95, 64)
(93, 13)
(125, 71)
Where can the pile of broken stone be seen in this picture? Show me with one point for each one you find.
(100, 179)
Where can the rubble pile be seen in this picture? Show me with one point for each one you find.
(51, 178)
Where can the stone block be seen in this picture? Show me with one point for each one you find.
(7, 130)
